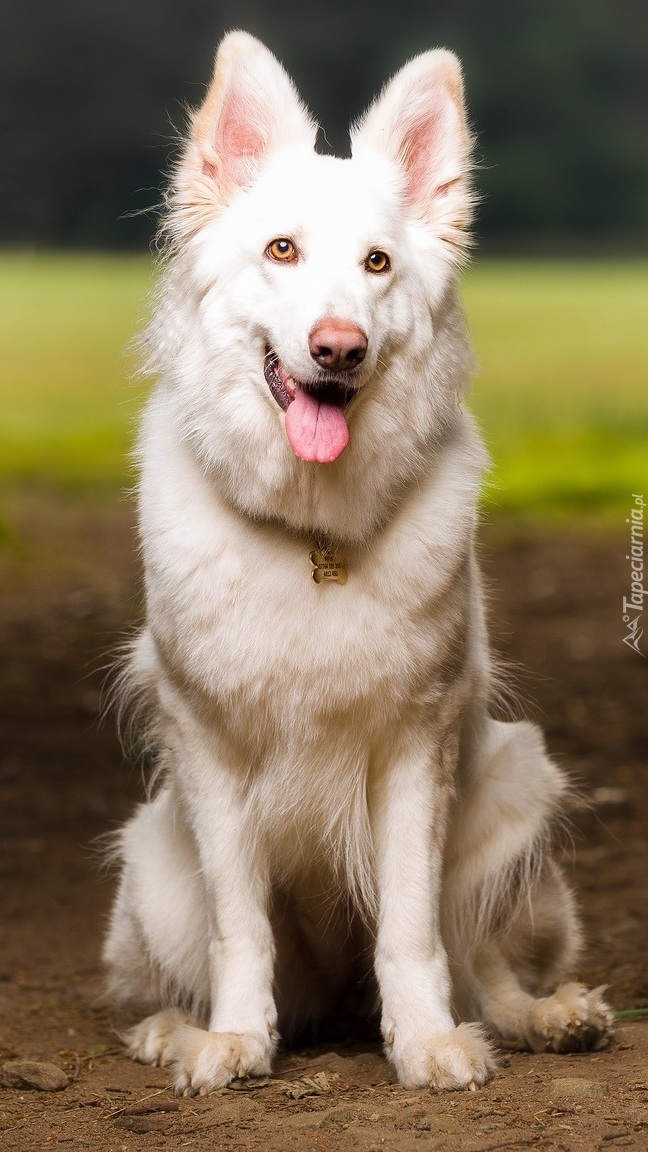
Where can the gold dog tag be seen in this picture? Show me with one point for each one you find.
(328, 565)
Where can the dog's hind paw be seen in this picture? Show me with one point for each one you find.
(152, 1041)
(573, 1019)
(453, 1060)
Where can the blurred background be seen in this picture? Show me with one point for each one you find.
(94, 95)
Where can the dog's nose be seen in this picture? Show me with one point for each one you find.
(337, 345)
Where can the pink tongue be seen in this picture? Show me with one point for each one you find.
(316, 431)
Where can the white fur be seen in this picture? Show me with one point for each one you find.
(333, 799)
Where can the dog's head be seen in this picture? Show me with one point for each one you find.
(314, 297)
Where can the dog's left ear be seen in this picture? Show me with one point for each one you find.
(419, 121)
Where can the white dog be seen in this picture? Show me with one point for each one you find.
(334, 803)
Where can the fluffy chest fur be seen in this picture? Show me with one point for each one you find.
(239, 621)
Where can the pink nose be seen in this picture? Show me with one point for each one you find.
(337, 345)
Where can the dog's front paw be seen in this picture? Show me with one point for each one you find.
(573, 1019)
(462, 1058)
(203, 1061)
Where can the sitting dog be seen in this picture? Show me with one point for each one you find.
(333, 802)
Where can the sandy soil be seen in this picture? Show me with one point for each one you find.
(69, 585)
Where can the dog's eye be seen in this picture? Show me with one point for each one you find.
(282, 249)
(378, 261)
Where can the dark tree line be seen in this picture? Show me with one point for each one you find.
(92, 93)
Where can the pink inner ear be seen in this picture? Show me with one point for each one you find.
(241, 144)
(420, 146)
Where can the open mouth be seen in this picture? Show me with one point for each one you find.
(316, 424)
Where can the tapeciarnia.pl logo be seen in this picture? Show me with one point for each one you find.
(633, 604)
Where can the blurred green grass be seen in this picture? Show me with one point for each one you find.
(68, 398)
(561, 393)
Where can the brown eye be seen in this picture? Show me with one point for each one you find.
(378, 261)
(282, 249)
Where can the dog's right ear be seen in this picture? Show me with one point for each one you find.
(251, 108)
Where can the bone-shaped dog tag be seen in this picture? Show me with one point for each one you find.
(329, 565)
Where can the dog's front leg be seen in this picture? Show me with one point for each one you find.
(421, 1040)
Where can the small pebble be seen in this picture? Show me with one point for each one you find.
(33, 1074)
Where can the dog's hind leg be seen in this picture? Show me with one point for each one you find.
(509, 915)
(156, 950)
(516, 974)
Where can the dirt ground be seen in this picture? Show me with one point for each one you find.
(69, 583)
